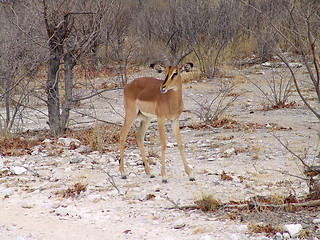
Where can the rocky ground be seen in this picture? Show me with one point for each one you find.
(65, 190)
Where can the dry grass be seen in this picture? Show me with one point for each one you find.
(98, 137)
(268, 229)
(73, 191)
(207, 203)
(18, 145)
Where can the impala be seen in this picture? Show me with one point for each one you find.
(147, 97)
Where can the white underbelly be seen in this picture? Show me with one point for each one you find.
(149, 115)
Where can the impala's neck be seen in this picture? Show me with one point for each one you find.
(175, 97)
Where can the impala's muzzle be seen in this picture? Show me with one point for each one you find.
(163, 89)
(164, 86)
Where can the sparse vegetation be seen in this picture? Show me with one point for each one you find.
(73, 191)
(60, 58)
(211, 110)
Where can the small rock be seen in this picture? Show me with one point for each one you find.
(76, 158)
(178, 224)
(18, 170)
(230, 151)
(47, 141)
(61, 211)
(8, 192)
(293, 229)
(286, 236)
(278, 236)
(27, 205)
(56, 205)
(68, 142)
(36, 150)
(170, 145)
(316, 221)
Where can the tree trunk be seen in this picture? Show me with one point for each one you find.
(53, 90)
(68, 80)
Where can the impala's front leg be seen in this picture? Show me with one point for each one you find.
(176, 131)
(163, 148)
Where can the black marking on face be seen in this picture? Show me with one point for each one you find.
(173, 75)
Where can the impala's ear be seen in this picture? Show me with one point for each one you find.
(157, 67)
(187, 67)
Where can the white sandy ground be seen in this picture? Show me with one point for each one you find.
(33, 211)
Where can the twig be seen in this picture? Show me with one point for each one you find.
(95, 118)
(33, 172)
(289, 174)
(111, 180)
(175, 205)
(294, 154)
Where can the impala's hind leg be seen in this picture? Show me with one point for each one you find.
(145, 122)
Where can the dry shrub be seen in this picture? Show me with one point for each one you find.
(268, 229)
(208, 203)
(22, 144)
(73, 191)
(225, 177)
(99, 137)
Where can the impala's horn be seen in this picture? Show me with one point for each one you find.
(183, 55)
(163, 53)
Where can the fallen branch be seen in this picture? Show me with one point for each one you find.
(242, 206)
(111, 180)
(311, 203)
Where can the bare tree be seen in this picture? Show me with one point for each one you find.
(19, 61)
(300, 32)
(68, 37)
(121, 42)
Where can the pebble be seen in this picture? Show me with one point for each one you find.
(178, 224)
(278, 236)
(293, 229)
(286, 236)
(56, 205)
(230, 151)
(27, 205)
(60, 211)
(47, 141)
(316, 221)
(170, 145)
(8, 192)
(17, 170)
(66, 142)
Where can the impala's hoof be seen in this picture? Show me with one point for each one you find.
(124, 177)
(152, 176)
(164, 180)
(192, 179)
